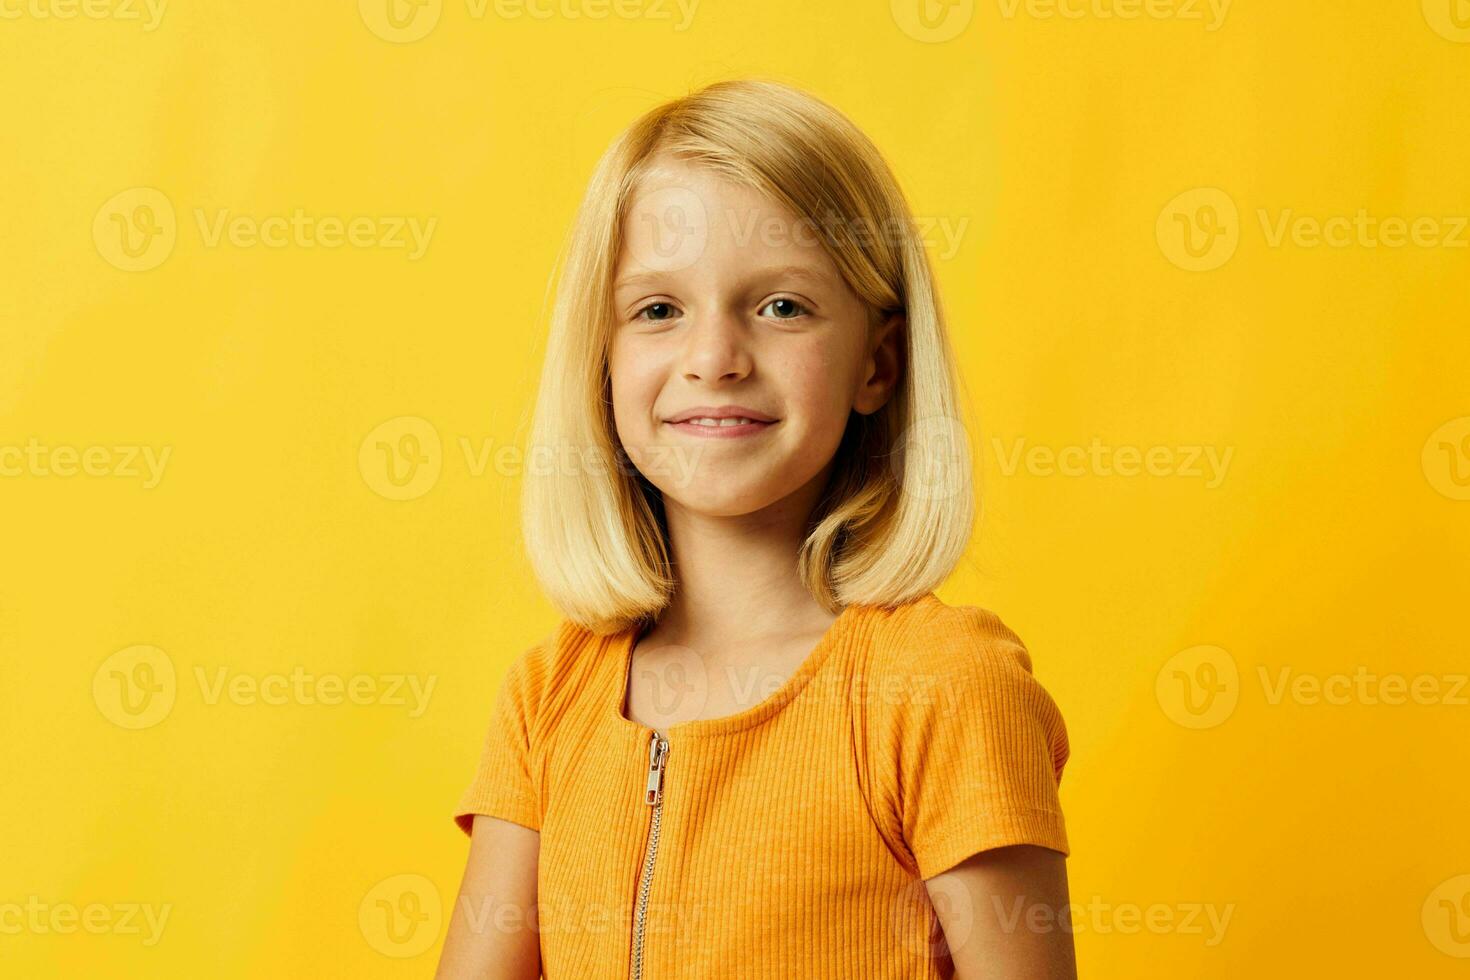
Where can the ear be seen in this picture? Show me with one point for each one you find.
(884, 365)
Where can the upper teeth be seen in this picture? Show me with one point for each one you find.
(735, 420)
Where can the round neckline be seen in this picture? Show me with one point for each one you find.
(627, 640)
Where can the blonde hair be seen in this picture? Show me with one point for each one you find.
(883, 533)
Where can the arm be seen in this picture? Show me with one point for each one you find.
(492, 934)
(1005, 914)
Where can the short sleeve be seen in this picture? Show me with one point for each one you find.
(968, 748)
(505, 781)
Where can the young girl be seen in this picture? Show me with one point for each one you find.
(758, 745)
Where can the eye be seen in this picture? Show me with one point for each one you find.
(662, 311)
(786, 304)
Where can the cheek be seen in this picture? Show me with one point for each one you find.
(818, 389)
(634, 378)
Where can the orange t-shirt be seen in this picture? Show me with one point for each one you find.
(786, 840)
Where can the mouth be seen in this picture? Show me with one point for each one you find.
(728, 427)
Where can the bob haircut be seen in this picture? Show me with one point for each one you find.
(897, 514)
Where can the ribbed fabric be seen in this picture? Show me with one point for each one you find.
(795, 834)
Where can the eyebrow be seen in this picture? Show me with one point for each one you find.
(802, 272)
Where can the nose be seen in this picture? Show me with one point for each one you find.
(717, 348)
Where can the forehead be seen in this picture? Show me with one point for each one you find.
(685, 221)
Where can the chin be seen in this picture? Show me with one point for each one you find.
(717, 501)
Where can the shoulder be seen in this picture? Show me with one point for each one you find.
(553, 668)
(543, 662)
(957, 682)
(936, 667)
(929, 635)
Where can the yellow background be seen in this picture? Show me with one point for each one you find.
(1335, 541)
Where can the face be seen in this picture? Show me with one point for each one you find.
(724, 304)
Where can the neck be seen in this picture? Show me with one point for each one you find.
(737, 576)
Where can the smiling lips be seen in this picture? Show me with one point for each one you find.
(721, 422)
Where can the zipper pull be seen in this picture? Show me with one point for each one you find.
(658, 748)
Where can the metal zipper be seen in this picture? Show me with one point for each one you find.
(658, 750)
